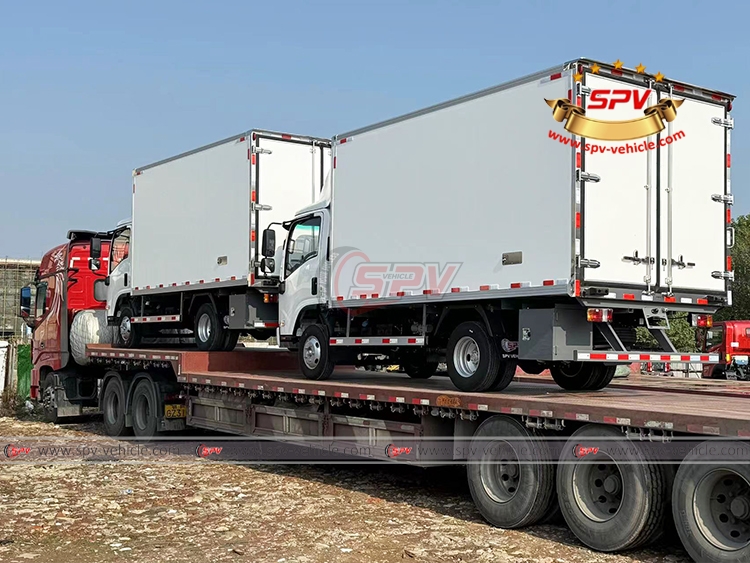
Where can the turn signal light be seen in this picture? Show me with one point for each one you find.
(270, 298)
(702, 321)
(599, 315)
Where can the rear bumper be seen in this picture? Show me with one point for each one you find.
(599, 356)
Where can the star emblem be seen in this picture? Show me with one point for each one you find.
(618, 64)
(640, 69)
(659, 77)
(595, 68)
(578, 77)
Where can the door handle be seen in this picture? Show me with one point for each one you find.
(314, 286)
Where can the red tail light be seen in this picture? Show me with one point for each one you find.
(599, 315)
(702, 321)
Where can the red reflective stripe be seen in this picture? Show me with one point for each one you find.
(702, 301)
(645, 357)
(285, 136)
(729, 161)
(342, 141)
(578, 220)
(628, 296)
(217, 279)
(161, 285)
(685, 358)
(622, 356)
(515, 285)
(332, 341)
(664, 358)
(548, 282)
(704, 358)
(729, 263)
(716, 97)
(363, 296)
(252, 236)
(340, 298)
(411, 340)
(400, 293)
(334, 162)
(729, 215)
(484, 288)
(570, 95)
(252, 195)
(455, 290)
(678, 88)
(598, 356)
(375, 296)
(610, 419)
(233, 278)
(200, 281)
(669, 299)
(578, 160)
(358, 341)
(616, 72)
(556, 76)
(578, 288)
(386, 340)
(578, 101)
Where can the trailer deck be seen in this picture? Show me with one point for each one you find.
(689, 406)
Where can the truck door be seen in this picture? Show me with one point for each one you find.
(619, 211)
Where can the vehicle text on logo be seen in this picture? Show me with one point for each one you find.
(609, 99)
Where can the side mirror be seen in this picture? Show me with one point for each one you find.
(290, 246)
(269, 243)
(268, 265)
(95, 250)
(100, 289)
(25, 305)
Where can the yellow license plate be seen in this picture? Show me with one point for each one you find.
(175, 411)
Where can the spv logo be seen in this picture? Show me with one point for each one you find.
(610, 99)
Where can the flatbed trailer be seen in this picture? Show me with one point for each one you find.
(616, 462)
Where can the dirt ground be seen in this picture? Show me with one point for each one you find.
(198, 511)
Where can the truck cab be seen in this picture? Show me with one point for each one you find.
(63, 286)
(731, 340)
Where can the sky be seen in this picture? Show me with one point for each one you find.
(91, 90)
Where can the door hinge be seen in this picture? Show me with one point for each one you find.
(260, 207)
(583, 90)
(635, 259)
(723, 275)
(258, 150)
(588, 177)
(721, 198)
(728, 122)
(588, 263)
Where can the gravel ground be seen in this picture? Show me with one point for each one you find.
(199, 511)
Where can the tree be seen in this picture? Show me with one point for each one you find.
(740, 309)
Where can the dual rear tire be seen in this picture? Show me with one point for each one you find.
(210, 332)
(475, 362)
(582, 376)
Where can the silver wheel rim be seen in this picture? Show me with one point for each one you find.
(125, 329)
(598, 486)
(500, 471)
(466, 356)
(311, 352)
(721, 503)
(204, 327)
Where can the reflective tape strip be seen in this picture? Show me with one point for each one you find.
(379, 341)
(644, 357)
(157, 319)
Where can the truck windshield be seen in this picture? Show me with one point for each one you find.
(120, 249)
(303, 243)
(714, 337)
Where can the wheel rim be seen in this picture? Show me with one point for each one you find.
(141, 412)
(598, 486)
(48, 401)
(125, 329)
(466, 356)
(311, 352)
(500, 471)
(204, 327)
(721, 503)
(111, 408)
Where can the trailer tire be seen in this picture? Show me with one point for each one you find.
(710, 502)
(208, 329)
(417, 366)
(611, 502)
(49, 399)
(127, 334)
(473, 359)
(315, 359)
(531, 367)
(519, 492)
(230, 340)
(581, 376)
(113, 408)
(144, 410)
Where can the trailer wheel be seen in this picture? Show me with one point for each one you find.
(314, 353)
(417, 366)
(611, 494)
(144, 410)
(511, 477)
(230, 340)
(209, 329)
(113, 408)
(127, 334)
(49, 399)
(473, 359)
(711, 502)
(582, 376)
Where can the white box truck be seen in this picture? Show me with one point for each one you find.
(189, 259)
(538, 223)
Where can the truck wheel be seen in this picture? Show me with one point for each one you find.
(49, 399)
(417, 366)
(230, 340)
(209, 329)
(510, 475)
(144, 410)
(580, 376)
(127, 334)
(314, 353)
(612, 496)
(531, 367)
(473, 360)
(113, 408)
(711, 502)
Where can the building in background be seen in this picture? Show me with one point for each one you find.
(14, 274)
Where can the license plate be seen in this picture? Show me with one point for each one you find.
(740, 360)
(175, 411)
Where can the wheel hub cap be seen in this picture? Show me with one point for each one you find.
(500, 471)
(466, 356)
(598, 487)
(204, 328)
(311, 352)
(125, 329)
(721, 502)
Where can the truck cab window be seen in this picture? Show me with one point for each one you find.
(41, 299)
(120, 249)
(714, 337)
(303, 243)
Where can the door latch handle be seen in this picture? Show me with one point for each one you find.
(681, 264)
(635, 259)
(314, 286)
(588, 177)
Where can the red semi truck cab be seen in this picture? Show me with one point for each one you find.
(63, 286)
(731, 340)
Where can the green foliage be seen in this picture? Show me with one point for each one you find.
(24, 370)
(680, 333)
(740, 309)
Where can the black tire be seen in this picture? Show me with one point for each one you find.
(710, 526)
(519, 492)
(113, 408)
(127, 334)
(208, 328)
(582, 376)
(49, 399)
(230, 340)
(611, 494)
(144, 410)
(314, 354)
(531, 367)
(474, 363)
(417, 366)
